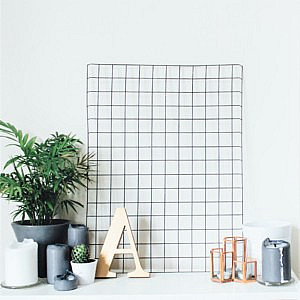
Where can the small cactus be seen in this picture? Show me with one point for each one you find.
(80, 254)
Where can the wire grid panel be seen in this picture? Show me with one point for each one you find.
(168, 147)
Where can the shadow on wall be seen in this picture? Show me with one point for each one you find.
(80, 216)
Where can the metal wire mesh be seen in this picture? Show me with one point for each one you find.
(168, 145)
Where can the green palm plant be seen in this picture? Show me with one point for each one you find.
(44, 175)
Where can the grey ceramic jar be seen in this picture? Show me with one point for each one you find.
(276, 261)
(57, 261)
(78, 234)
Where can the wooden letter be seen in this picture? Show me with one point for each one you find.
(110, 248)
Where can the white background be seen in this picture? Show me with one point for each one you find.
(47, 44)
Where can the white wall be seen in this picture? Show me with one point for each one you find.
(47, 44)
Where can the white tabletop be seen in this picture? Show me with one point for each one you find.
(159, 286)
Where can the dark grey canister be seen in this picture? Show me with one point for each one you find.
(78, 234)
(276, 261)
(44, 235)
(57, 261)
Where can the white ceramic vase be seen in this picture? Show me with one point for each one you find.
(257, 232)
(85, 271)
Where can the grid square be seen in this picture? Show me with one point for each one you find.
(160, 72)
(94, 99)
(144, 154)
(144, 195)
(199, 99)
(144, 139)
(172, 112)
(157, 250)
(212, 71)
(186, 98)
(199, 86)
(212, 85)
(131, 112)
(93, 84)
(119, 85)
(200, 71)
(146, 85)
(132, 84)
(157, 222)
(131, 140)
(172, 85)
(144, 181)
(171, 250)
(158, 153)
(131, 181)
(186, 112)
(199, 232)
(185, 126)
(185, 250)
(159, 126)
(158, 181)
(158, 196)
(146, 71)
(171, 208)
(171, 99)
(171, 194)
(168, 142)
(93, 70)
(212, 98)
(144, 99)
(186, 72)
(145, 208)
(185, 195)
(159, 85)
(185, 85)
(145, 167)
(145, 113)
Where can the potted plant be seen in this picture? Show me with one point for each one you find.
(41, 179)
(82, 266)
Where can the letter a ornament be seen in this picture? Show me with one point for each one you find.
(119, 223)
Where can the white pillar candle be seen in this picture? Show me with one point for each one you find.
(21, 263)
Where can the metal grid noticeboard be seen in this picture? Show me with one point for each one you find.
(168, 146)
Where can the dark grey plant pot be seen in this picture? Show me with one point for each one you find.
(44, 235)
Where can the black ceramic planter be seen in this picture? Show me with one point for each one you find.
(44, 235)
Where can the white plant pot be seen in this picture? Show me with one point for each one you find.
(257, 232)
(85, 271)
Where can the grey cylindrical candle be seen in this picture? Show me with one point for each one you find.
(78, 234)
(276, 261)
(57, 261)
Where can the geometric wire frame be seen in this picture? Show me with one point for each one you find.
(168, 146)
(233, 265)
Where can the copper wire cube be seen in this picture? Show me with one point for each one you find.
(232, 262)
(245, 271)
(244, 268)
(238, 245)
(221, 265)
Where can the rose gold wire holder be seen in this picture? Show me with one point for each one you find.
(236, 244)
(247, 272)
(224, 261)
(240, 269)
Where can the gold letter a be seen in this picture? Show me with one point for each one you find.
(110, 247)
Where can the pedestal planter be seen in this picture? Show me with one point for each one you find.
(85, 272)
(44, 235)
